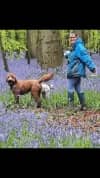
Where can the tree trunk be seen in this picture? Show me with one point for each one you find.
(32, 37)
(6, 67)
(28, 55)
(49, 51)
(5, 61)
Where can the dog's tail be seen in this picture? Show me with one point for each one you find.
(46, 77)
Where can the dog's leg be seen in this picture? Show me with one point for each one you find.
(36, 96)
(17, 99)
(48, 94)
(44, 94)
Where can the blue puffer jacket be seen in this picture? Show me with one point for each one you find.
(78, 59)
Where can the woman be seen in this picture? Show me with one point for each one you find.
(78, 59)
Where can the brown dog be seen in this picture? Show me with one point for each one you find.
(21, 87)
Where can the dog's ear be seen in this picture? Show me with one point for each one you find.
(14, 77)
(15, 80)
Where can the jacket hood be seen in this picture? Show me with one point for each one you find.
(78, 41)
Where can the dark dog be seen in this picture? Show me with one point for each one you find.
(21, 87)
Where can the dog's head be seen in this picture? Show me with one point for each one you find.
(11, 79)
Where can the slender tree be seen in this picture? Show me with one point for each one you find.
(2, 37)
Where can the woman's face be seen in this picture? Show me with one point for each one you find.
(72, 38)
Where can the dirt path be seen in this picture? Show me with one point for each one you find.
(88, 121)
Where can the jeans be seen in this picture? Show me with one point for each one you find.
(74, 84)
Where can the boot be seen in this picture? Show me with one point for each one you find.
(71, 100)
(82, 101)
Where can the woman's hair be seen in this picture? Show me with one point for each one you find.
(75, 32)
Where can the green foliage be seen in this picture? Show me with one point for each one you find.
(83, 143)
(65, 38)
(15, 40)
(20, 141)
(57, 100)
(91, 37)
(10, 34)
(10, 44)
(93, 99)
(24, 102)
(7, 99)
(15, 140)
(73, 142)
